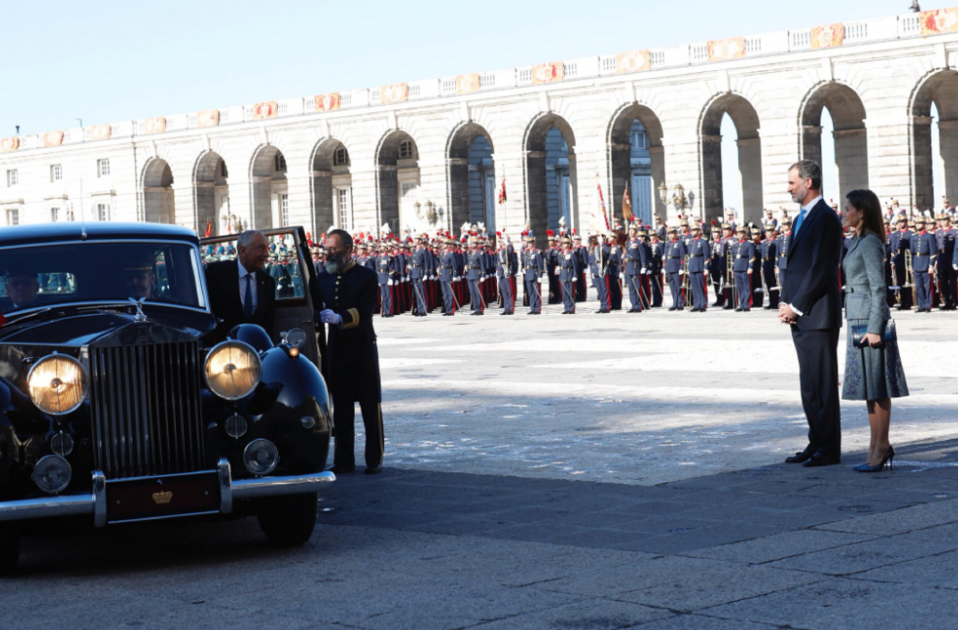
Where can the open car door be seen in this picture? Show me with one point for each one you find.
(291, 266)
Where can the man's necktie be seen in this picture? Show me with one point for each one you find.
(248, 299)
(799, 221)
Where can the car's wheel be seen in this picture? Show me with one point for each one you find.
(9, 547)
(288, 521)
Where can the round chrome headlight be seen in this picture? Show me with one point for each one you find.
(52, 474)
(58, 384)
(260, 457)
(233, 370)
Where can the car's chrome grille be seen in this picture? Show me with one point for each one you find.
(146, 409)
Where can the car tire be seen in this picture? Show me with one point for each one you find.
(9, 547)
(288, 521)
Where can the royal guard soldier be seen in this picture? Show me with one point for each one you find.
(506, 273)
(656, 255)
(386, 272)
(568, 273)
(475, 272)
(784, 239)
(533, 268)
(900, 243)
(743, 255)
(924, 252)
(614, 275)
(661, 230)
(636, 266)
(598, 268)
(551, 258)
(717, 266)
(758, 290)
(448, 270)
(418, 265)
(946, 256)
(699, 253)
(685, 233)
(769, 256)
(674, 259)
(582, 264)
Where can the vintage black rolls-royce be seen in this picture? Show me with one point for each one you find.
(114, 408)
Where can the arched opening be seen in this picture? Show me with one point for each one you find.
(551, 174)
(472, 177)
(749, 145)
(847, 112)
(398, 182)
(270, 195)
(638, 162)
(332, 186)
(212, 195)
(936, 163)
(158, 203)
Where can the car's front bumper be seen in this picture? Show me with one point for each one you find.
(95, 503)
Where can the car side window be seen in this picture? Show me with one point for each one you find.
(283, 265)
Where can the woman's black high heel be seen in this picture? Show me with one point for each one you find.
(889, 460)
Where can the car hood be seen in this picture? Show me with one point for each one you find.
(108, 328)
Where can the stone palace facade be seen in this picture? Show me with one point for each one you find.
(432, 155)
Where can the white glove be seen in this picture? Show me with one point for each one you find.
(681, 272)
(557, 272)
(955, 267)
(643, 270)
(390, 283)
(330, 317)
(749, 272)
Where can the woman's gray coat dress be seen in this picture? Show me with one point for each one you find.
(870, 373)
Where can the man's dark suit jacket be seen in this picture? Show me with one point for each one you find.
(811, 283)
(222, 282)
(352, 357)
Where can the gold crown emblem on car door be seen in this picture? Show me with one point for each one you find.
(162, 498)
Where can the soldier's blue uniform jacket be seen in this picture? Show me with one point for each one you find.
(674, 256)
(533, 264)
(743, 254)
(599, 260)
(568, 267)
(946, 272)
(699, 253)
(636, 257)
(924, 249)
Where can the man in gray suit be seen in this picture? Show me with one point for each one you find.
(814, 312)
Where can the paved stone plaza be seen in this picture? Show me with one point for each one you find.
(593, 472)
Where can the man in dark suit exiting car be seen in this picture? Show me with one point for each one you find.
(349, 302)
(240, 291)
(814, 311)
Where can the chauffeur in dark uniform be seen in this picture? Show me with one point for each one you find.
(349, 302)
(240, 291)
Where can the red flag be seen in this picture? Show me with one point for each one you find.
(626, 207)
(229, 226)
(209, 228)
(502, 191)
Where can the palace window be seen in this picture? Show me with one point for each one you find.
(102, 212)
(406, 150)
(341, 157)
(223, 171)
(54, 215)
(56, 173)
(343, 205)
(12, 177)
(103, 167)
(284, 210)
(280, 164)
(13, 217)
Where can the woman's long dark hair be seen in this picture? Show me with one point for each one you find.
(866, 202)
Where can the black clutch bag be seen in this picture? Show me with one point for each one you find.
(858, 333)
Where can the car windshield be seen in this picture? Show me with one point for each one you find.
(70, 273)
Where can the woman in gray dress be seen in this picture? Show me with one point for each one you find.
(873, 372)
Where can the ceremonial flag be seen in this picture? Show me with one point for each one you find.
(502, 191)
(209, 228)
(229, 226)
(600, 224)
(626, 207)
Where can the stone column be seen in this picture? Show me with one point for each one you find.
(890, 163)
(591, 158)
(750, 168)
(948, 137)
(851, 157)
(783, 144)
(923, 163)
(184, 205)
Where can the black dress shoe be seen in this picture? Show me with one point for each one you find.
(672, 308)
(603, 312)
(373, 470)
(342, 470)
(799, 458)
(818, 459)
(447, 314)
(739, 310)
